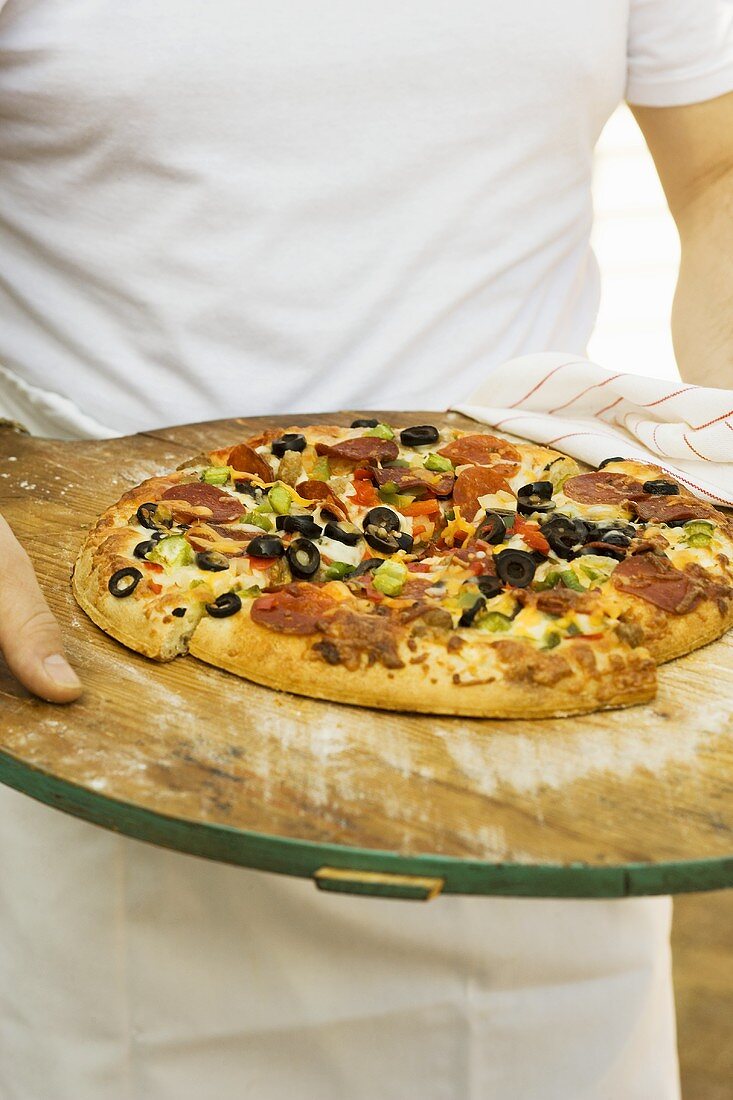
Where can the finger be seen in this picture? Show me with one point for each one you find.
(30, 638)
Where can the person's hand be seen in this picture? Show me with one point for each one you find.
(30, 638)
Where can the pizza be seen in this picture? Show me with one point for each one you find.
(423, 569)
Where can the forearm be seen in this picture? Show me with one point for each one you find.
(702, 313)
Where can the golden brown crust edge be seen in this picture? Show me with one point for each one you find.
(288, 663)
(668, 636)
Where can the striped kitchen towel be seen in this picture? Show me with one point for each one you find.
(590, 413)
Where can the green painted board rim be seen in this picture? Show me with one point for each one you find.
(301, 858)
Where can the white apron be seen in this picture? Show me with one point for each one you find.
(129, 972)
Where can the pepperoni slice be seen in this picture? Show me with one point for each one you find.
(653, 578)
(320, 491)
(365, 448)
(602, 487)
(220, 506)
(481, 450)
(674, 509)
(292, 610)
(474, 483)
(245, 460)
(413, 479)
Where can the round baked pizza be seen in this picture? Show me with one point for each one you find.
(422, 568)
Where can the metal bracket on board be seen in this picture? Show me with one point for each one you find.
(379, 884)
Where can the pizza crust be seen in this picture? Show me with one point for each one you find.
(289, 663)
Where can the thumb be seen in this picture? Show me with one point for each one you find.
(30, 638)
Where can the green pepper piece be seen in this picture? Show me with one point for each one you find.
(573, 629)
(551, 639)
(382, 431)
(257, 519)
(251, 592)
(389, 488)
(216, 475)
(494, 622)
(438, 463)
(172, 552)
(551, 579)
(698, 533)
(280, 499)
(390, 577)
(337, 570)
(569, 579)
(321, 471)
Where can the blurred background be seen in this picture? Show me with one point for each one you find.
(636, 244)
(637, 247)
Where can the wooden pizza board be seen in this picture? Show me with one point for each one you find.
(623, 802)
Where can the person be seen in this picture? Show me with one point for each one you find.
(285, 207)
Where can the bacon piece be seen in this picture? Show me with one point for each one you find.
(199, 500)
(481, 450)
(413, 479)
(245, 460)
(364, 448)
(321, 492)
(603, 487)
(350, 635)
(468, 552)
(653, 578)
(474, 483)
(296, 609)
(557, 601)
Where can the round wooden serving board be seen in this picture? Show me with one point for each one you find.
(623, 802)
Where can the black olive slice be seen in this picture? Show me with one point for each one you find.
(539, 490)
(492, 529)
(247, 487)
(209, 559)
(299, 525)
(124, 581)
(565, 535)
(225, 605)
(368, 565)
(382, 517)
(365, 423)
(616, 458)
(179, 612)
(515, 567)
(303, 557)
(146, 517)
(605, 551)
(143, 548)
(379, 539)
(614, 538)
(661, 488)
(291, 441)
(421, 435)
(266, 546)
(349, 537)
(488, 585)
(535, 497)
(471, 612)
(405, 541)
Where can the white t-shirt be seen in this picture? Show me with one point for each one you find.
(231, 208)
